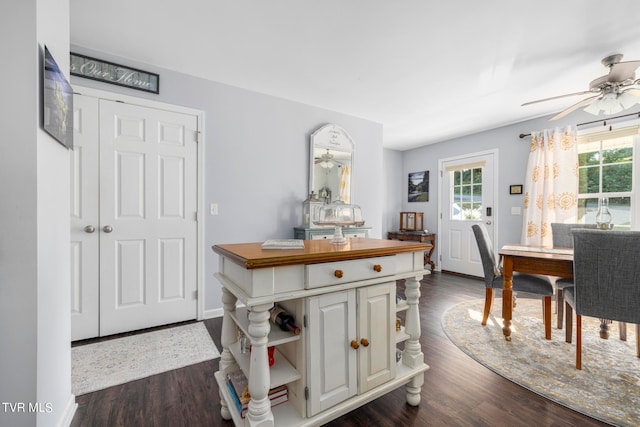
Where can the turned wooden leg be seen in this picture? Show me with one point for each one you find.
(229, 335)
(507, 295)
(578, 341)
(547, 317)
(569, 322)
(259, 412)
(559, 308)
(604, 328)
(488, 302)
(412, 355)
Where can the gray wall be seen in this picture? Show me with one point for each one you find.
(35, 355)
(257, 159)
(513, 154)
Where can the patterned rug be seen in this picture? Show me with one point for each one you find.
(107, 363)
(608, 386)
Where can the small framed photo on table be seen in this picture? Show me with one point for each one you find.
(515, 189)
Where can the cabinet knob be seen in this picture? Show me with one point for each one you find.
(364, 342)
(338, 274)
(377, 268)
(89, 229)
(354, 344)
(107, 229)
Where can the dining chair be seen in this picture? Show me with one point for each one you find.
(562, 238)
(522, 283)
(605, 274)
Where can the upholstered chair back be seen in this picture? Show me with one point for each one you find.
(607, 274)
(561, 233)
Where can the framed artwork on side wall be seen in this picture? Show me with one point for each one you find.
(418, 187)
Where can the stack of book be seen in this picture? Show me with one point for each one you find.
(239, 390)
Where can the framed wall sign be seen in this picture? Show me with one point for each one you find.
(109, 72)
(515, 189)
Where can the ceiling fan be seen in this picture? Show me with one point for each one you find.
(611, 93)
(326, 160)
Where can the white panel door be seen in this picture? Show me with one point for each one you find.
(85, 282)
(148, 242)
(467, 198)
(376, 325)
(332, 362)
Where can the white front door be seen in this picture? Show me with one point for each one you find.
(148, 191)
(133, 217)
(467, 198)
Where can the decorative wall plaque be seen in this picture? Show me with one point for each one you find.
(109, 72)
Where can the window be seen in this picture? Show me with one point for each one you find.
(606, 167)
(466, 194)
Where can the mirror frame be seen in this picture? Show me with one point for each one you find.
(335, 138)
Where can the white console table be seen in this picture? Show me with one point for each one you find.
(344, 299)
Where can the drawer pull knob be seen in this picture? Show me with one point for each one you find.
(364, 342)
(354, 344)
(377, 268)
(338, 274)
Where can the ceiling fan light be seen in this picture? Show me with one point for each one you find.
(627, 100)
(609, 103)
(593, 108)
(326, 164)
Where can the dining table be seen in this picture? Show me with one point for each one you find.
(549, 261)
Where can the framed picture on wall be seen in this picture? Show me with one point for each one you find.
(418, 187)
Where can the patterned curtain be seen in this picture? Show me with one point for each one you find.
(345, 184)
(551, 184)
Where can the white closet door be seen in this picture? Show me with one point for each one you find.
(148, 242)
(85, 282)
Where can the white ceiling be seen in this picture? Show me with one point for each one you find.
(428, 71)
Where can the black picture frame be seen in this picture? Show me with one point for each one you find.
(515, 189)
(418, 187)
(57, 102)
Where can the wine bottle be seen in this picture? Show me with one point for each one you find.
(284, 320)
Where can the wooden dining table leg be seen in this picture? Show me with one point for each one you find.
(507, 296)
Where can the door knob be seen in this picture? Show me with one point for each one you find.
(107, 229)
(354, 344)
(364, 342)
(89, 229)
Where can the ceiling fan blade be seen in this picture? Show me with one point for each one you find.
(574, 107)
(622, 71)
(557, 97)
(633, 91)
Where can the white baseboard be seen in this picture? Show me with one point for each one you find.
(69, 412)
(216, 312)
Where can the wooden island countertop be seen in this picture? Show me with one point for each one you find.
(251, 255)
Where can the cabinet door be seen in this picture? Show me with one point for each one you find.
(331, 371)
(377, 335)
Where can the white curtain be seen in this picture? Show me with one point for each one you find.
(345, 184)
(551, 184)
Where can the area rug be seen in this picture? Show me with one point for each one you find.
(608, 386)
(107, 363)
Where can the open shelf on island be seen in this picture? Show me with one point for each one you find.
(276, 336)
(282, 372)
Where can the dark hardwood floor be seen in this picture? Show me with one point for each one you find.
(457, 390)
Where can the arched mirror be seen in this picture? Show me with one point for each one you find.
(331, 167)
